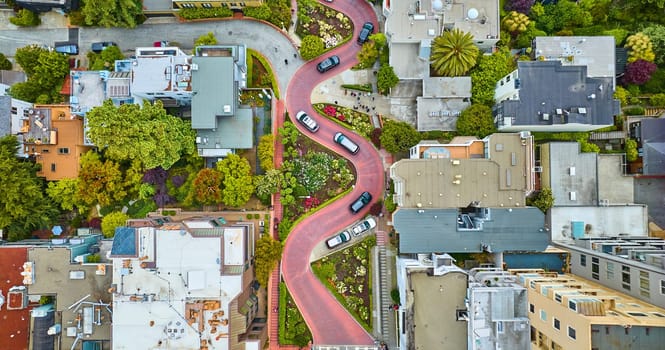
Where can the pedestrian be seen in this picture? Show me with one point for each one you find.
(275, 48)
(373, 108)
(346, 92)
(295, 55)
(336, 102)
(286, 62)
(358, 98)
(372, 98)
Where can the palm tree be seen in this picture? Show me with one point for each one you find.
(453, 53)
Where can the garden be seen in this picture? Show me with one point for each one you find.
(318, 20)
(347, 273)
(293, 329)
(347, 117)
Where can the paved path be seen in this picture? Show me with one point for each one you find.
(329, 322)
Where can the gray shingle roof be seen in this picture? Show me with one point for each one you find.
(436, 230)
(653, 143)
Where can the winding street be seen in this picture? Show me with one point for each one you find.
(329, 322)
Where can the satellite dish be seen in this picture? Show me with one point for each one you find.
(437, 5)
(472, 13)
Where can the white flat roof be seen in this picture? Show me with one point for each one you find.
(234, 246)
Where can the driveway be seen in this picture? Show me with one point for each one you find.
(329, 322)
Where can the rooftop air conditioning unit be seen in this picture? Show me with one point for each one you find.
(195, 66)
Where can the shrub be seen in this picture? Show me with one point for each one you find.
(631, 150)
(640, 48)
(657, 82)
(197, 13)
(375, 136)
(25, 18)
(111, 221)
(394, 295)
(515, 22)
(476, 121)
(634, 111)
(257, 216)
(312, 46)
(657, 100)
(622, 95)
(639, 72)
(5, 64)
(619, 35)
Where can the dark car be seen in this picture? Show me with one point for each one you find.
(361, 202)
(70, 49)
(365, 32)
(307, 121)
(100, 46)
(327, 64)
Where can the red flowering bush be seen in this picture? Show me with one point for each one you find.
(311, 202)
(341, 117)
(330, 110)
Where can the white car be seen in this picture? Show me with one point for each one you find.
(307, 121)
(338, 239)
(366, 225)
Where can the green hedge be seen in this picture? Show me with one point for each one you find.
(359, 87)
(634, 111)
(199, 13)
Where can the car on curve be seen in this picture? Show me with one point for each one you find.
(328, 64)
(365, 32)
(307, 121)
(346, 142)
(361, 202)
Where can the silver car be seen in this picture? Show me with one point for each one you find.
(365, 225)
(338, 239)
(307, 121)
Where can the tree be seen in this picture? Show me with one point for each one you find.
(111, 221)
(638, 72)
(563, 14)
(205, 39)
(657, 100)
(622, 95)
(112, 13)
(63, 193)
(5, 64)
(525, 38)
(99, 182)
(106, 59)
(631, 150)
(489, 71)
(25, 18)
(28, 57)
(476, 121)
(386, 79)
(267, 254)
(398, 136)
(46, 71)
(368, 54)
(206, 187)
(453, 53)
(266, 151)
(640, 47)
(542, 200)
(515, 22)
(51, 70)
(237, 180)
(147, 134)
(23, 205)
(521, 6)
(268, 184)
(656, 34)
(311, 46)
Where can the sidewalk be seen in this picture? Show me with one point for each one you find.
(50, 20)
(331, 91)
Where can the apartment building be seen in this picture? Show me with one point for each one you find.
(570, 312)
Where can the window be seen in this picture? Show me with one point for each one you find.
(582, 259)
(610, 271)
(637, 314)
(572, 305)
(595, 268)
(462, 315)
(625, 277)
(557, 297)
(662, 286)
(63, 150)
(557, 324)
(644, 284)
(657, 314)
(543, 315)
(499, 327)
(571, 333)
(53, 167)
(532, 284)
(532, 308)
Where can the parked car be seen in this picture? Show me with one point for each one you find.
(361, 202)
(365, 32)
(328, 64)
(70, 49)
(338, 239)
(307, 121)
(100, 46)
(346, 143)
(365, 225)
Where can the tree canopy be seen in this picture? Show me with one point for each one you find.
(25, 18)
(23, 205)
(238, 184)
(489, 71)
(99, 182)
(453, 53)
(386, 79)
(205, 39)
(398, 136)
(206, 188)
(5, 64)
(266, 151)
(476, 121)
(268, 252)
(543, 200)
(147, 134)
(311, 46)
(111, 221)
(105, 60)
(63, 192)
(112, 13)
(46, 71)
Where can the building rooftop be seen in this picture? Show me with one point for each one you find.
(5, 115)
(594, 52)
(571, 174)
(87, 90)
(81, 290)
(15, 318)
(649, 252)
(159, 70)
(568, 222)
(595, 303)
(442, 101)
(569, 98)
(176, 292)
(432, 284)
(502, 178)
(653, 144)
(470, 230)
(460, 147)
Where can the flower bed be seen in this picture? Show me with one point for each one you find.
(347, 117)
(293, 330)
(332, 26)
(347, 274)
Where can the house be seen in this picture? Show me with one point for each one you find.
(14, 304)
(574, 177)
(210, 4)
(570, 312)
(218, 74)
(80, 317)
(469, 230)
(497, 315)
(48, 5)
(494, 172)
(650, 136)
(410, 28)
(55, 139)
(634, 265)
(570, 101)
(161, 73)
(186, 285)
(595, 52)
(432, 293)
(442, 101)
